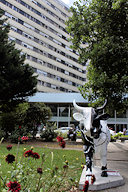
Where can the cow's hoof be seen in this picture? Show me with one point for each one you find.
(104, 174)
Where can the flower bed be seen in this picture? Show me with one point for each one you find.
(32, 169)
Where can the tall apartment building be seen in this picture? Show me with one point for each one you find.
(38, 28)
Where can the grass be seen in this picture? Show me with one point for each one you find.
(52, 158)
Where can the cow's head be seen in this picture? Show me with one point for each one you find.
(89, 117)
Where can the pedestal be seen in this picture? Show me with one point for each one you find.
(114, 179)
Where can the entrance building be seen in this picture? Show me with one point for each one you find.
(62, 108)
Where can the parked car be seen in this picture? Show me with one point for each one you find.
(62, 130)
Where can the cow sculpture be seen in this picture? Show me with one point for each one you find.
(95, 134)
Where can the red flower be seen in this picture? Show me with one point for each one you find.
(24, 138)
(62, 144)
(9, 147)
(39, 170)
(10, 158)
(13, 186)
(65, 166)
(85, 187)
(28, 153)
(59, 139)
(35, 155)
(19, 138)
(93, 179)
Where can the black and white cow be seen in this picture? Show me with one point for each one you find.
(95, 133)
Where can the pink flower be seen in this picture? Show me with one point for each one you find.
(24, 138)
(13, 186)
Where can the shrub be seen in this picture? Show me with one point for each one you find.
(113, 139)
(64, 135)
(17, 135)
(48, 134)
(126, 136)
(117, 135)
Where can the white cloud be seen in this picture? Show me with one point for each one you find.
(66, 1)
(69, 2)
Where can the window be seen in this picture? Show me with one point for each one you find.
(19, 31)
(66, 72)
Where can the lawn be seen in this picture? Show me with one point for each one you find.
(60, 169)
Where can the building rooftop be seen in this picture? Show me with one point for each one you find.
(57, 98)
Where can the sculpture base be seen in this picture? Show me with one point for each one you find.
(114, 179)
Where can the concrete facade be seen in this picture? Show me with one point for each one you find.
(38, 28)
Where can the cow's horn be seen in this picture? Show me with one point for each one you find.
(103, 106)
(76, 106)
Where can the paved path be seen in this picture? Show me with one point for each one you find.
(118, 160)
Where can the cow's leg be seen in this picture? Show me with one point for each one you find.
(103, 157)
(88, 148)
(88, 152)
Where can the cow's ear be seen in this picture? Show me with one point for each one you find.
(78, 116)
(104, 116)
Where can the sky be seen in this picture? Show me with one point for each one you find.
(68, 2)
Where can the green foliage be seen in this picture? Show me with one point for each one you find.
(117, 136)
(36, 114)
(29, 116)
(10, 120)
(125, 136)
(17, 81)
(64, 135)
(102, 25)
(113, 139)
(48, 134)
(17, 133)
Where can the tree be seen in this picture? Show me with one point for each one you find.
(12, 120)
(17, 80)
(102, 27)
(36, 114)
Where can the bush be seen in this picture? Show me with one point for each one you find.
(117, 135)
(113, 139)
(17, 134)
(48, 134)
(64, 135)
(126, 136)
